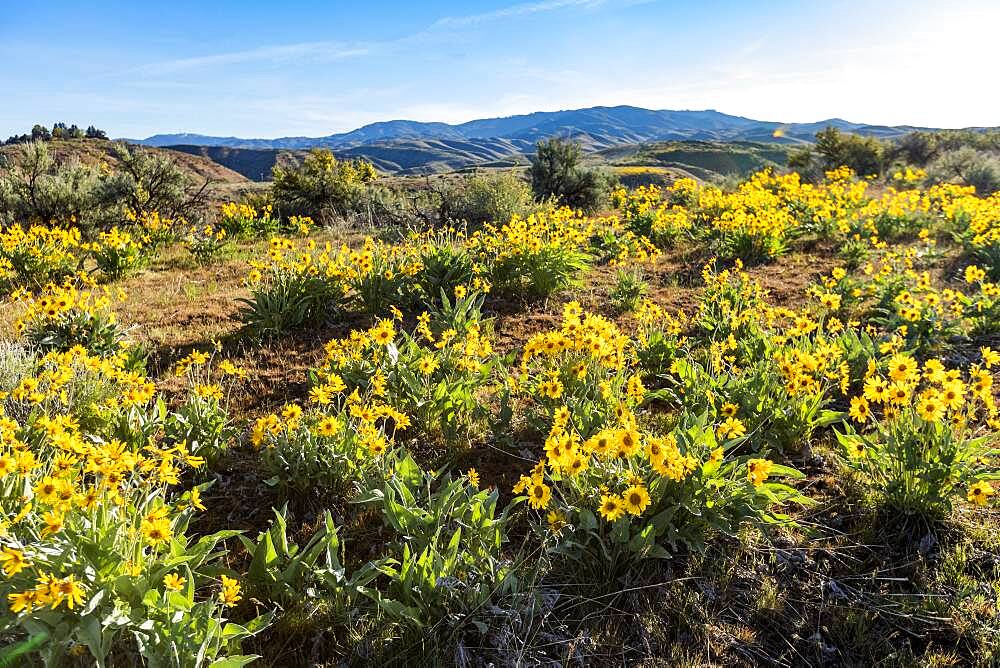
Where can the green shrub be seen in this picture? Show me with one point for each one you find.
(445, 265)
(493, 197)
(322, 187)
(330, 447)
(64, 317)
(285, 299)
(864, 155)
(38, 189)
(436, 375)
(290, 575)
(146, 183)
(118, 253)
(968, 166)
(636, 495)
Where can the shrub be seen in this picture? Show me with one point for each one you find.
(583, 365)
(146, 182)
(322, 187)
(37, 256)
(556, 173)
(779, 404)
(436, 375)
(100, 559)
(647, 213)
(332, 445)
(382, 275)
(630, 287)
(244, 220)
(206, 243)
(534, 256)
(492, 197)
(968, 166)
(285, 301)
(659, 339)
(64, 317)
(201, 420)
(298, 284)
(445, 264)
(39, 190)
(446, 560)
(289, 575)
(863, 155)
(118, 253)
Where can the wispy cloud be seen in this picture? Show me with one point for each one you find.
(513, 11)
(286, 53)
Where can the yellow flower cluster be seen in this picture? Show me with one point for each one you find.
(647, 211)
(31, 257)
(341, 267)
(593, 337)
(933, 391)
(981, 218)
(75, 477)
(56, 301)
(234, 210)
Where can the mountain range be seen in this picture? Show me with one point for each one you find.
(402, 146)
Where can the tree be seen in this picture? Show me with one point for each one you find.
(94, 133)
(916, 148)
(861, 154)
(556, 172)
(40, 133)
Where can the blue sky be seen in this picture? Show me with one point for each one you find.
(260, 68)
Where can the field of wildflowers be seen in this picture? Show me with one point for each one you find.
(706, 425)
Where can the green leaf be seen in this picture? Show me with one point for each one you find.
(236, 661)
(409, 472)
(588, 521)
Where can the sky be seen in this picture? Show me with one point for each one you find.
(260, 68)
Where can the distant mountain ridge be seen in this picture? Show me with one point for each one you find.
(415, 147)
(610, 125)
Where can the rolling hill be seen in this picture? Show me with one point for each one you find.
(200, 168)
(413, 147)
(396, 157)
(601, 126)
(702, 159)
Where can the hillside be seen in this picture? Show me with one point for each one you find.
(201, 168)
(702, 159)
(93, 151)
(396, 157)
(250, 163)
